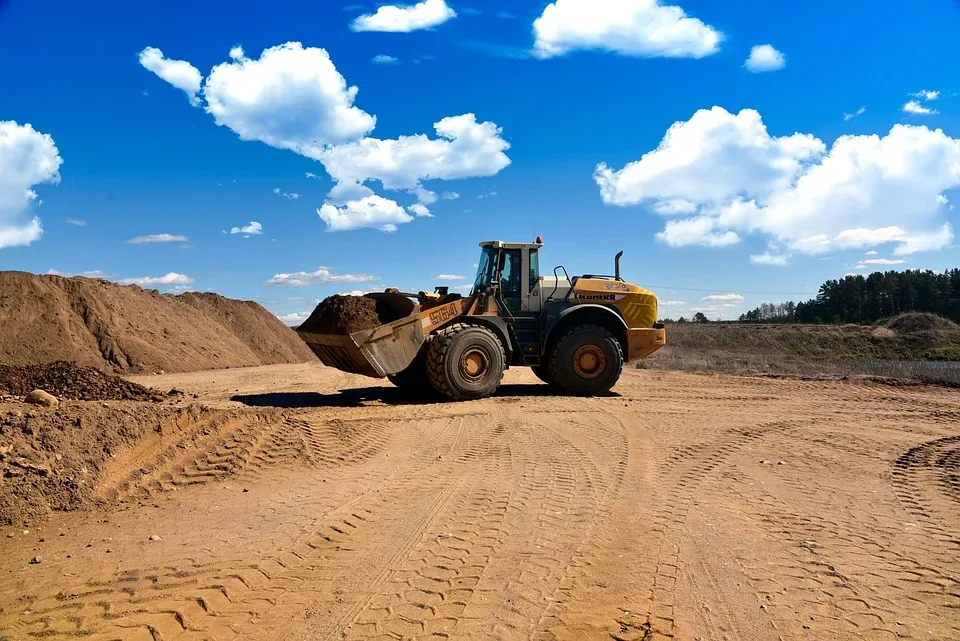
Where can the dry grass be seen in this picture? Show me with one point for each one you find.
(917, 347)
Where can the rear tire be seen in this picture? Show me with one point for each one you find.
(465, 362)
(586, 361)
(414, 379)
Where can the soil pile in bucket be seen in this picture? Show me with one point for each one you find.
(68, 381)
(348, 314)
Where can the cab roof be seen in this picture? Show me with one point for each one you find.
(499, 244)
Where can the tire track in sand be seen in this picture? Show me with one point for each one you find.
(208, 599)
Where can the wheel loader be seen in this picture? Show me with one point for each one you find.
(574, 333)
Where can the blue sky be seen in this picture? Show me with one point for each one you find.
(173, 124)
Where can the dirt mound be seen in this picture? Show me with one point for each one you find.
(913, 323)
(51, 460)
(269, 339)
(97, 323)
(348, 314)
(67, 381)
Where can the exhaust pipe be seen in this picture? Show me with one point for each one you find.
(616, 265)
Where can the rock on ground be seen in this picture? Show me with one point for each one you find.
(40, 397)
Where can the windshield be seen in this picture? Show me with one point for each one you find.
(485, 268)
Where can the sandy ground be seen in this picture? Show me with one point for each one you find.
(685, 506)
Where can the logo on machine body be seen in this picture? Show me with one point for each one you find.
(620, 287)
(599, 297)
(442, 314)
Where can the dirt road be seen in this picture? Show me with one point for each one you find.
(693, 507)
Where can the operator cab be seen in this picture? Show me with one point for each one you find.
(515, 268)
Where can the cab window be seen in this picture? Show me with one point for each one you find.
(534, 268)
(510, 278)
(484, 268)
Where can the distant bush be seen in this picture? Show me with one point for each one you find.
(914, 322)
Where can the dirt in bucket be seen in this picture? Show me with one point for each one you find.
(348, 314)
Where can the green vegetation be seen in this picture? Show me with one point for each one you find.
(859, 299)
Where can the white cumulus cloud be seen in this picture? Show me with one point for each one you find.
(642, 28)
(696, 231)
(926, 94)
(879, 262)
(383, 59)
(252, 229)
(723, 298)
(420, 211)
(290, 98)
(449, 277)
(27, 158)
(403, 19)
(770, 258)
(858, 112)
(179, 73)
(424, 196)
(464, 148)
(295, 318)
(93, 273)
(286, 194)
(883, 261)
(915, 108)
(734, 178)
(765, 58)
(158, 238)
(294, 98)
(172, 278)
(322, 276)
(370, 211)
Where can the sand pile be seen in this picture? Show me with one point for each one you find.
(97, 323)
(348, 314)
(52, 460)
(269, 339)
(67, 381)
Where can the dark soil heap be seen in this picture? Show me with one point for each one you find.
(68, 381)
(348, 314)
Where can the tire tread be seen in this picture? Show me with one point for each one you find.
(553, 365)
(437, 354)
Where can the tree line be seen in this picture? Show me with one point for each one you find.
(865, 299)
(859, 299)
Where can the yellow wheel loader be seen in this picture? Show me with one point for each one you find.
(574, 333)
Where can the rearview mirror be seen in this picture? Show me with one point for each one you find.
(501, 261)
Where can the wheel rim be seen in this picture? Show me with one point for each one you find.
(589, 361)
(474, 364)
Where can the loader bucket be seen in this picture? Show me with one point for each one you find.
(377, 352)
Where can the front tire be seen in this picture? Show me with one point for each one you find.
(586, 361)
(465, 362)
(414, 378)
